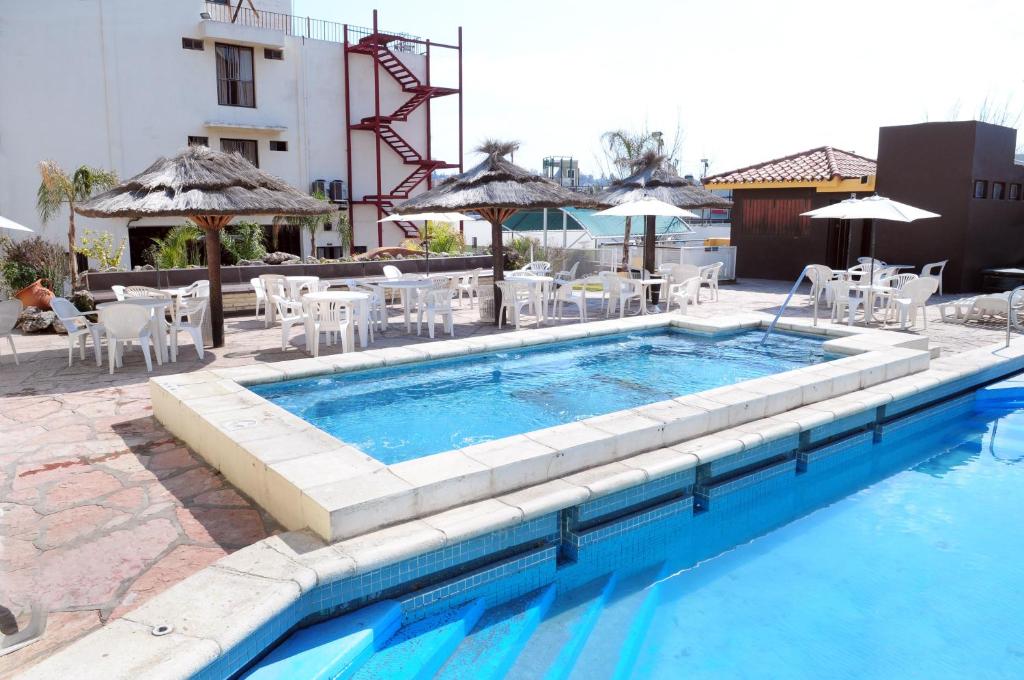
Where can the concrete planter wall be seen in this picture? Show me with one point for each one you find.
(240, 275)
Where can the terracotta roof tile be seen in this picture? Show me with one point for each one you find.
(816, 165)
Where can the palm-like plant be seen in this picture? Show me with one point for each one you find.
(627, 151)
(311, 223)
(244, 241)
(177, 249)
(58, 189)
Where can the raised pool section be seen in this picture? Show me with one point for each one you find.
(578, 575)
(405, 412)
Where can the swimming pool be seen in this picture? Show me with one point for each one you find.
(901, 558)
(396, 414)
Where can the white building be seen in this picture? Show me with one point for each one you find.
(118, 83)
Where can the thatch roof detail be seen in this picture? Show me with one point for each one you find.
(652, 178)
(201, 181)
(495, 183)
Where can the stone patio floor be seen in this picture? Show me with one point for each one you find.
(101, 508)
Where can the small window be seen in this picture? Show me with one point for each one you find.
(1014, 194)
(276, 55)
(236, 82)
(998, 191)
(980, 188)
(278, 145)
(198, 141)
(192, 44)
(246, 147)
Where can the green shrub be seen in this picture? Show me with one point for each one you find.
(25, 261)
(244, 241)
(179, 249)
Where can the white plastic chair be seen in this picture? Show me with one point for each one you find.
(567, 294)
(819, 275)
(567, 275)
(329, 317)
(79, 329)
(124, 322)
(618, 292)
(677, 272)
(514, 298)
(261, 295)
(273, 285)
(895, 283)
(934, 270)
(683, 294)
(913, 299)
(435, 301)
(709, 278)
(289, 313)
(198, 289)
(188, 318)
(144, 292)
(538, 267)
(118, 292)
(10, 310)
(843, 301)
(377, 310)
(469, 285)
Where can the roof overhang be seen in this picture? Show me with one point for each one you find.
(834, 185)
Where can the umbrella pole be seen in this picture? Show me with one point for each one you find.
(212, 226)
(498, 264)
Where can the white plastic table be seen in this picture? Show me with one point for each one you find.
(358, 305)
(544, 283)
(868, 293)
(404, 286)
(157, 309)
(644, 288)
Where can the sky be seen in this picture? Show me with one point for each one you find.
(745, 80)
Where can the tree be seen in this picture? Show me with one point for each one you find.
(626, 151)
(57, 188)
(311, 223)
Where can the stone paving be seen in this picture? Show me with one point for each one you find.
(101, 508)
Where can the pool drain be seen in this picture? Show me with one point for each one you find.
(162, 629)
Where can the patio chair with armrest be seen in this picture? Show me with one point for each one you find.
(289, 313)
(819, 275)
(683, 294)
(515, 296)
(709, 278)
(10, 310)
(913, 299)
(79, 328)
(188, 318)
(844, 301)
(469, 285)
(261, 295)
(934, 270)
(144, 292)
(566, 293)
(329, 317)
(437, 301)
(118, 292)
(124, 322)
(619, 292)
(274, 285)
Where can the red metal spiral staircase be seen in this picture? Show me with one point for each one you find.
(376, 45)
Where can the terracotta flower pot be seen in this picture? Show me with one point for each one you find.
(35, 295)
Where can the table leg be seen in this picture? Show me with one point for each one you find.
(160, 340)
(362, 309)
(406, 294)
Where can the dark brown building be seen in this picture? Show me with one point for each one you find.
(772, 240)
(965, 171)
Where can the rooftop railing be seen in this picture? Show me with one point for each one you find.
(305, 27)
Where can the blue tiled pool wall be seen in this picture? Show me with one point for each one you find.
(691, 516)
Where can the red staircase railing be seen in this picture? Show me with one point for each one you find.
(376, 46)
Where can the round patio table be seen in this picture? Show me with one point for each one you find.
(157, 309)
(297, 283)
(542, 282)
(358, 305)
(645, 290)
(404, 286)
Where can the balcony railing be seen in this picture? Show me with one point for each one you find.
(305, 27)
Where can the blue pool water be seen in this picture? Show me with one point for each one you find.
(396, 414)
(898, 559)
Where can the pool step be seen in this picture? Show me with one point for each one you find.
(615, 641)
(554, 647)
(419, 649)
(332, 649)
(499, 637)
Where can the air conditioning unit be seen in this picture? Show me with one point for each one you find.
(338, 194)
(318, 185)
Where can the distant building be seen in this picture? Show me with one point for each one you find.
(562, 169)
(118, 83)
(772, 240)
(965, 171)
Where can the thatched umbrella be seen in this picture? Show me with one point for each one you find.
(496, 189)
(210, 188)
(652, 178)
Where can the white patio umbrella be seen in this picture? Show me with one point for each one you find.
(450, 217)
(870, 208)
(644, 207)
(12, 225)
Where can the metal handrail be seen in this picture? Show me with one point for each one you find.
(1010, 313)
(785, 303)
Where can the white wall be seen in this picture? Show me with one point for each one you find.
(107, 83)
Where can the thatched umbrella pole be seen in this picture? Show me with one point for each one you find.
(212, 226)
(497, 217)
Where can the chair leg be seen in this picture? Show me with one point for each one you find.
(112, 353)
(96, 347)
(71, 349)
(144, 346)
(197, 340)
